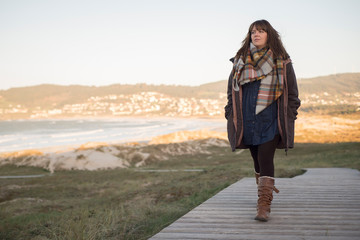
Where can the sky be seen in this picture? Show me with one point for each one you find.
(172, 42)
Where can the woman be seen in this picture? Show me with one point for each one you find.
(262, 105)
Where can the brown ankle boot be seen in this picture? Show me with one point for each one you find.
(257, 175)
(265, 194)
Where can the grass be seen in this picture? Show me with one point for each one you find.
(127, 204)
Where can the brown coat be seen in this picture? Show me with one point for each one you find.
(288, 103)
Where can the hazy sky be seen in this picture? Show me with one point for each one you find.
(183, 42)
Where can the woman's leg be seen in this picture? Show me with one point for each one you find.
(266, 183)
(254, 155)
(265, 157)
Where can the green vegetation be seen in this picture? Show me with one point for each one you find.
(132, 204)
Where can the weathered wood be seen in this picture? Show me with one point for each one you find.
(320, 204)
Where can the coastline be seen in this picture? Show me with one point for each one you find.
(111, 117)
(149, 132)
(309, 128)
(139, 150)
(105, 155)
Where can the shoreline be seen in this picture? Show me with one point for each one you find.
(309, 129)
(216, 118)
(220, 126)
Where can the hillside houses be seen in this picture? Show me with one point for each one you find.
(158, 104)
(140, 104)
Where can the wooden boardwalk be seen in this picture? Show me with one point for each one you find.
(323, 203)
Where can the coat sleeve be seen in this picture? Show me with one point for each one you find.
(229, 105)
(293, 93)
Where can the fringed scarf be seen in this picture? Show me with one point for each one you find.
(260, 66)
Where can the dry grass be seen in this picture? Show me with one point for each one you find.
(312, 128)
(20, 154)
(127, 204)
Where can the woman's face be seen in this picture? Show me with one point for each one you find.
(258, 38)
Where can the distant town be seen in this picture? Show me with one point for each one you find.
(140, 104)
(327, 99)
(157, 104)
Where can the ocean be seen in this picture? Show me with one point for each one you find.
(16, 135)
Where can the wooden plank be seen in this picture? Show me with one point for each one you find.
(320, 204)
(237, 236)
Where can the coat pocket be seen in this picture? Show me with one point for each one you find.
(292, 113)
(231, 131)
(291, 132)
(228, 111)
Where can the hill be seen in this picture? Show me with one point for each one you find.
(48, 95)
(335, 84)
(43, 95)
(41, 101)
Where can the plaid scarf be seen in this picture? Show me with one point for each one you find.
(260, 65)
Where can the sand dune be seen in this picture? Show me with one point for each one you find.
(94, 156)
(183, 136)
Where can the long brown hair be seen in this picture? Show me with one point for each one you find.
(273, 40)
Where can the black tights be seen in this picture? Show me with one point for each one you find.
(263, 156)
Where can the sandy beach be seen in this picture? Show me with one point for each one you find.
(95, 155)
